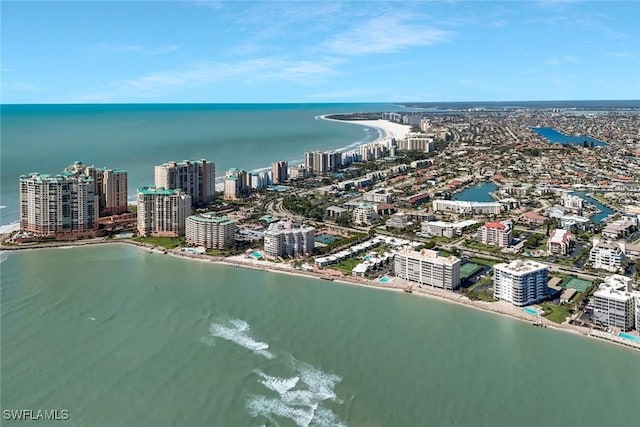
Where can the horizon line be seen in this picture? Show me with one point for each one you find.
(315, 103)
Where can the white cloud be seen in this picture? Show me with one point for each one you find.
(135, 48)
(21, 87)
(628, 54)
(205, 73)
(385, 34)
(561, 60)
(344, 94)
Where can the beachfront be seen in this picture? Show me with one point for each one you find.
(501, 308)
(386, 128)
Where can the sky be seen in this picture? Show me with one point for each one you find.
(308, 51)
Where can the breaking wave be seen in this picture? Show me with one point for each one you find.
(300, 396)
(238, 331)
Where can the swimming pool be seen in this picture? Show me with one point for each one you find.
(531, 311)
(256, 255)
(385, 279)
(629, 337)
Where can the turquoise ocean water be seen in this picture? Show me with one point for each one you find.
(122, 337)
(119, 336)
(135, 137)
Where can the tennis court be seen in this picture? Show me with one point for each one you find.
(469, 269)
(577, 284)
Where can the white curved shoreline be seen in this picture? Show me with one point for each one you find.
(386, 129)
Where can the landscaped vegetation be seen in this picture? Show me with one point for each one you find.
(165, 242)
(556, 313)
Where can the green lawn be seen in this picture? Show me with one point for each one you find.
(347, 265)
(165, 242)
(556, 313)
(481, 247)
(484, 261)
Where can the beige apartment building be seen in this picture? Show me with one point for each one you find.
(62, 206)
(162, 212)
(210, 231)
(196, 178)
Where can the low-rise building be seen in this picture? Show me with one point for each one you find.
(520, 282)
(620, 228)
(365, 214)
(467, 208)
(210, 231)
(398, 220)
(615, 303)
(427, 267)
(559, 242)
(495, 234)
(334, 212)
(533, 218)
(381, 195)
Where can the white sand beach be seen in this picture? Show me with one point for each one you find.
(389, 129)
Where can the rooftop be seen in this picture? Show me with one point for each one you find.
(159, 191)
(519, 267)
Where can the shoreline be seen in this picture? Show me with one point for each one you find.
(385, 129)
(499, 308)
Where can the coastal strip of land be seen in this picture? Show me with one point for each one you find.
(501, 308)
(387, 129)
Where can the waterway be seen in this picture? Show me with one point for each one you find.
(477, 193)
(119, 336)
(604, 210)
(556, 137)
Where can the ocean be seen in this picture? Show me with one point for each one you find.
(117, 335)
(135, 137)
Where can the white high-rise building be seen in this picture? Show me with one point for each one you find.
(495, 234)
(615, 304)
(210, 231)
(61, 206)
(322, 161)
(605, 255)
(196, 178)
(282, 239)
(427, 268)
(638, 313)
(520, 282)
(417, 142)
(162, 212)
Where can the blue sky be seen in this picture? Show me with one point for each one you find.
(305, 51)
